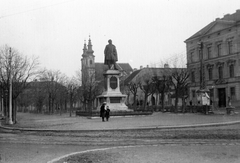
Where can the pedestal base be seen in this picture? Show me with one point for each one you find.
(118, 107)
(113, 96)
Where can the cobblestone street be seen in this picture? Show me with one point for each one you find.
(127, 143)
(155, 138)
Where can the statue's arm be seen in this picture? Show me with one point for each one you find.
(115, 50)
(105, 50)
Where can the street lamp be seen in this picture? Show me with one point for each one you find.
(202, 75)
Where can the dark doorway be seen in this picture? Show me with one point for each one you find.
(221, 97)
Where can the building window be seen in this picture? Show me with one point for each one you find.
(209, 50)
(220, 72)
(193, 77)
(90, 62)
(199, 54)
(210, 75)
(219, 49)
(191, 56)
(232, 92)
(231, 70)
(230, 46)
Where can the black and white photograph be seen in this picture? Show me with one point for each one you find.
(119, 81)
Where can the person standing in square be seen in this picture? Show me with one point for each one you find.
(107, 113)
(103, 111)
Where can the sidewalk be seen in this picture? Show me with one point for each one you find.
(156, 120)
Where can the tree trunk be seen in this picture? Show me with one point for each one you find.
(52, 105)
(145, 101)
(65, 104)
(176, 102)
(70, 111)
(14, 118)
(49, 104)
(162, 101)
(183, 105)
(134, 102)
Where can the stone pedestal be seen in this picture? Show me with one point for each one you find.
(112, 96)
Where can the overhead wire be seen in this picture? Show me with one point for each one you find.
(34, 9)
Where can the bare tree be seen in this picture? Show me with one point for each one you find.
(73, 85)
(162, 85)
(133, 87)
(17, 69)
(89, 89)
(147, 85)
(179, 80)
(54, 83)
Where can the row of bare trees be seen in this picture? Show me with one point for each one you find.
(45, 90)
(17, 70)
(161, 81)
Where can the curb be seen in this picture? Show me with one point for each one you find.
(123, 129)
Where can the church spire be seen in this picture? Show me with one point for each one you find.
(84, 47)
(89, 44)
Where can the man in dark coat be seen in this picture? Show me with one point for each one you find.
(102, 111)
(111, 57)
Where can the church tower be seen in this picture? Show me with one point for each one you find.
(88, 62)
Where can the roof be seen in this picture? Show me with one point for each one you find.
(202, 31)
(131, 76)
(146, 71)
(125, 66)
(227, 21)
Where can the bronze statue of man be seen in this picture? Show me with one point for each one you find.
(111, 57)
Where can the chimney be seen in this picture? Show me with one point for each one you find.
(147, 66)
(141, 67)
(226, 16)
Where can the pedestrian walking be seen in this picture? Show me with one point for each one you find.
(107, 114)
(103, 111)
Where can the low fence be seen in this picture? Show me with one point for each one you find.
(115, 113)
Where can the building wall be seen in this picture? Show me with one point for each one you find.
(213, 61)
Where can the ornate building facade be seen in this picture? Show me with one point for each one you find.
(213, 59)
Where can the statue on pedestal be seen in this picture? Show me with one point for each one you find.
(111, 57)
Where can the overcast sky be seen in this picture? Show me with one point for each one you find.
(145, 32)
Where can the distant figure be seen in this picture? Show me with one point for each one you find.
(107, 113)
(206, 102)
(191, 107)
(229, 101)
(190, 102)
(102, 111)
(111, 57)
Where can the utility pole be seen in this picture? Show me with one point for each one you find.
(10, 89)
